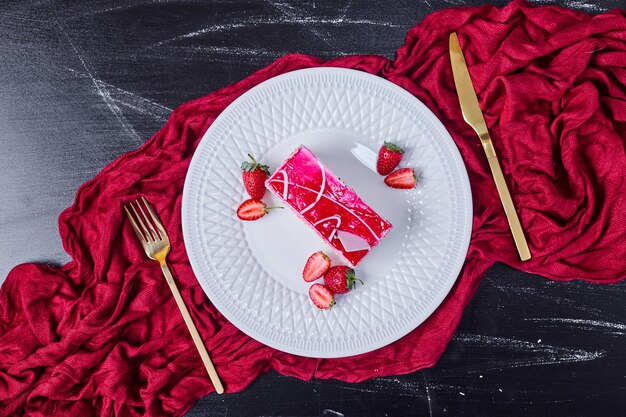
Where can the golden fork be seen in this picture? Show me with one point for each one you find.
(156, 244)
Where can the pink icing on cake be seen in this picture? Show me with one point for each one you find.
(327, 205)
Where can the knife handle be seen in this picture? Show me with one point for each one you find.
(505, 198)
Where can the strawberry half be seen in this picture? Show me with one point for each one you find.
(404, 178)
(315, 266)
(321, 296)
(253, 209)
(340, 279)
(389, 156)
(254, 175)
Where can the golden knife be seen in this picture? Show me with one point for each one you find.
(474, 117)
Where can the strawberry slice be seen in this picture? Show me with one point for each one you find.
(253, 209)
(315, 266)
(404, 178)
(321, 296)
(389, 156)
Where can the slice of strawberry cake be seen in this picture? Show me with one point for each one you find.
(327, 205)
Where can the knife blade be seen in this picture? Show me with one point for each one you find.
(473, 115)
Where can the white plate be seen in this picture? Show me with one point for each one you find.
(252, 271)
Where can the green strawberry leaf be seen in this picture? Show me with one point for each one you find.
(254, 165)
(351, 279)
(393, 147)
(264, 168)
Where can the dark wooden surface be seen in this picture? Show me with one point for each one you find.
(81, 83)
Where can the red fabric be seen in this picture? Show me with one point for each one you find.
(102, 335)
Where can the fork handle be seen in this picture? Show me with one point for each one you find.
(215, 379)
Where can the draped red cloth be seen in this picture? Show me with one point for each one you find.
(102, 335)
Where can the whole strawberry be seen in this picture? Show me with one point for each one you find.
(252, 209)
(403, 178)
(389, 156)
(340, 279)
(254, 175)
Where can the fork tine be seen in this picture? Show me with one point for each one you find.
(145, 230)
(155, 219)
(153, 232)
(136, 228)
